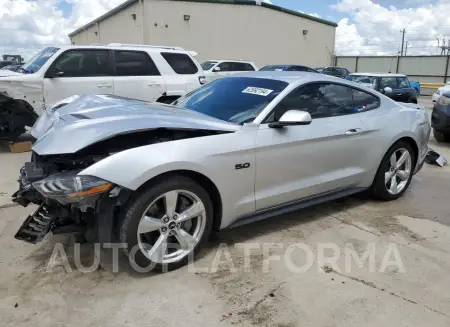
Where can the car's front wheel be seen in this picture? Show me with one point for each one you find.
(167, 224)
(395, 172)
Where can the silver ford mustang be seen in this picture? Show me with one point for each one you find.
(160, 178)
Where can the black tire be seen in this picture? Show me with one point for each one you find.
(441, 136)
(129, 221)
(378, 188)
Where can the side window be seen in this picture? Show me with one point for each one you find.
(298, 69)
(83, 63)
(226, 67)
(238, 67)
(363, 101)
(331, 71)
(249, 67)
(403, 83)
(388, 82)
(341, 72)
(134, 63)
(242, 67)
(181, 63)
(321, 100)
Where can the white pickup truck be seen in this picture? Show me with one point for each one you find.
(144, 72)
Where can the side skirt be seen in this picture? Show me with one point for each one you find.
(294, 206)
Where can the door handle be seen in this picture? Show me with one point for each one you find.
(353, 131)
(104, 85)
(153, 84)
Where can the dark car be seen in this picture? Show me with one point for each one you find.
(440, 118)
(13, 68)
(290, 68)
(395, 86)
(4, 63)
(334, 71)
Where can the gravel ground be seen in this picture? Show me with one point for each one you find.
(269, 289)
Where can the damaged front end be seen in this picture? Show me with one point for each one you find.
(81, 132)
(67, 202)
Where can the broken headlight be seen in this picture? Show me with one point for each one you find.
(68, 187)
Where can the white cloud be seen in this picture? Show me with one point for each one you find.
(376, 29)
(28, 25)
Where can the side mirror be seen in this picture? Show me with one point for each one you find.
(52, 73)
(216, 69)
(387, 90)
(292, 118)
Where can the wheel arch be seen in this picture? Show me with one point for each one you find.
(408, 139)
(412, 142)
(203, 181)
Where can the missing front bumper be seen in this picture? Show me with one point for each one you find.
(36, 226)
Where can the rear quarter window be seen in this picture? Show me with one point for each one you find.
(181, 63)
(403, 83)
(363, 101)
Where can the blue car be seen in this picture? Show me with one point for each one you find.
(416, 86)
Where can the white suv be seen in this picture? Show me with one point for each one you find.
(218, 68)
(144, 72)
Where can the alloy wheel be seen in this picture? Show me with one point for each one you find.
(397, 175)
(171, 226)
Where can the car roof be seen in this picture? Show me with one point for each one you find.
(286, 65)
(378, 74)
(325, 67)
(127, 47)
(290, 77)
(231, 60)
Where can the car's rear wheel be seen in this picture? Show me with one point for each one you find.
(167, 224)
(441, 136)
(395, 172)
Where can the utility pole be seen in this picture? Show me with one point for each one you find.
(406, 48)
(403, 40)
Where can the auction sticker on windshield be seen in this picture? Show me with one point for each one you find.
(257, 91)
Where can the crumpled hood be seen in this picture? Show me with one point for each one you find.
(89, 119)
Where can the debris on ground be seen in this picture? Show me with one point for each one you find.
(225, 317)
(434, 158)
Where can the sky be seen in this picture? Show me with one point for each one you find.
(365, 27)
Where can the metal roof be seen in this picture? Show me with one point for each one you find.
(229, 2)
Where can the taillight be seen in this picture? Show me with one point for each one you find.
(202, 80)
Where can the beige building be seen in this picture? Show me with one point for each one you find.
(217, 29)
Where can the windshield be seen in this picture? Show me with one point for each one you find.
(237, 100)
(274, 68)
(207, 65)
(363, 79)
(38, 60)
